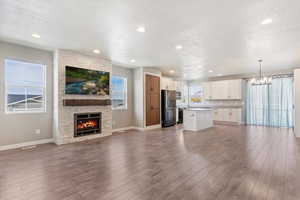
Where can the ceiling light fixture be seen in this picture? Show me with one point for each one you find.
(35, 35)
(141, 29)
(267, 21)
(178, 47)
(210, 71)
(132, 60)
(172, 71)
(97, 51)
(261, 80)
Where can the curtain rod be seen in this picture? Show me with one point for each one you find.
(276, 76)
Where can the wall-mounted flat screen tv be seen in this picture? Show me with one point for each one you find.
(86, 82)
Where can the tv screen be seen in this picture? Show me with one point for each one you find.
(86, 82)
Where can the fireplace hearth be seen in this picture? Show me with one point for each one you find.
(87, 124)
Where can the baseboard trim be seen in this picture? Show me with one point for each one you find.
(152, 127)
(226, 123)
(25, 144)
(123, 129)
(136, 128)
(139, 128)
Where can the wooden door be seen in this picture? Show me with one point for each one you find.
(152, 100)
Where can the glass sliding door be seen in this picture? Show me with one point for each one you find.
(271, 105)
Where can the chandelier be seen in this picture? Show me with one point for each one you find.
(261, 80)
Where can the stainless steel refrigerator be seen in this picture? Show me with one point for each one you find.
(168, 105)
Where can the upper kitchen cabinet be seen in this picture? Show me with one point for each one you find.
(168, 84)
(207, 90)
(219, 90)
(235, 89)
(223, 90)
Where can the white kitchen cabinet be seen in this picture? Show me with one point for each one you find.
(228, 115)
(172, 84)
(218, 115)
(195, 119)
(235, 89)
(219, 90)
(236, 115)
(215, 87)
(168, 84)
(163, 83)
(223, 90)
(207, 90)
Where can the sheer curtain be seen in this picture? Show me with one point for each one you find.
(271, 105)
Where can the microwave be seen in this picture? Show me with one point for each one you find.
(178, 95)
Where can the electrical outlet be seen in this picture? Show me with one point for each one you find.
(37, 131)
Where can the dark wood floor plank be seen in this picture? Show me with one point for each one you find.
(224, 162)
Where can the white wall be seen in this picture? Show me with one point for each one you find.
(297, 101)
(138, 97)
(20, 128)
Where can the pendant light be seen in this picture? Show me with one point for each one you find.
(261, 80)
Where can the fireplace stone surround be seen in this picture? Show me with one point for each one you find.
(63, 118)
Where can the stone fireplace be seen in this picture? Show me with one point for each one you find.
(68, 114)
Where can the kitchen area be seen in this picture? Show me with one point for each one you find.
(200, 105)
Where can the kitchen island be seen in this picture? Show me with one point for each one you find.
(195, 119)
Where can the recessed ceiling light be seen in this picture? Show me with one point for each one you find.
(210, 71)
(132, 60)
(267, 21)
(97, 51)
(141, 29)
(200, 67)
(172, 71)
(178, 47)
(35, 35)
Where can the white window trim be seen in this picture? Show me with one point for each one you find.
(6, 85)
(125, 107)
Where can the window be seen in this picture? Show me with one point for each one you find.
(119, 92)
(195, 95)
(271, 105)
(24, 87)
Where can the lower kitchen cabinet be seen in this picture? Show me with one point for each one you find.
(233, 115)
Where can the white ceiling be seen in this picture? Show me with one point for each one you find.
(224, 36)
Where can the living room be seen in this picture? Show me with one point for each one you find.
(143, 100)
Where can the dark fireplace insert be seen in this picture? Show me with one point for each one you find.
(87, 124)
